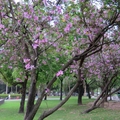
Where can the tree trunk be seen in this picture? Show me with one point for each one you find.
(6, 88)
(80, 79)
(61, 86)
(92, 92)
(106, 94)
(22, 103)
(80, 93)
(110, 96)
(45, 98)
(90, 109)
(88, 89)
(32, 94)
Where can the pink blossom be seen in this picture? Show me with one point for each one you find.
(47, 90)
(59, 9)
(1, 26)
(10, 67)
(55, 45)
(29, 67)
(59, 73)
(52, 12)
(44, 62)
(37, 28)
(32, 67)
(18, 22)
(45, 2)
(67, 17)
(26, 60)
(78, 30)
(27, 15)
(35, 18)
(68, 27)
(44, 41)
(82, 0)
(36, 43)
(49, 18)
(57, 59)
(31, 9)
(18, 79)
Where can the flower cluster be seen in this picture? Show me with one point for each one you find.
(47, 90)
(2, 26)
(68, 27)
(38, 42)
(28, 66)
(59, 73)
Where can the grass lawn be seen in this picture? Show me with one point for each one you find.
(70, 111)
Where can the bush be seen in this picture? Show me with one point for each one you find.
(3, 96)
(12, 96)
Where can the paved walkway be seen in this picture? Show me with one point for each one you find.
(115, 98)
(49, 98)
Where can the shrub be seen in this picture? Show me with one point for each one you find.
(12, 96)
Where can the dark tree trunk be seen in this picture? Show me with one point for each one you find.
(88, 90)
(106, 94)
(80, 79)
(80, 93)
(32, 94)
(92, 92)
(110, 96)
(22, 103)
(45, 98)
(61, 86)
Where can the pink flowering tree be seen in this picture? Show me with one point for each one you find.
(74, 30)
(105, 68)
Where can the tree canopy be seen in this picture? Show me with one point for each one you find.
(33, 33)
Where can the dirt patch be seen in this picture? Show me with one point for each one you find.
(114, 105)
(61, 108)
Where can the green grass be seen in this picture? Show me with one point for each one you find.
(70, 111)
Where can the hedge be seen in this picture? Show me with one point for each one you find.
(12, 96)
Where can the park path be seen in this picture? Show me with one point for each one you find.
(114, 98)
(49, 98)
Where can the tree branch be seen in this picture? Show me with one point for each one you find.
(11, 9)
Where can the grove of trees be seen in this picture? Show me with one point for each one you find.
(42, 41)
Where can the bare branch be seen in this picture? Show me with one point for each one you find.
(12, 12)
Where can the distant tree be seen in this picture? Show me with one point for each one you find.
(105, 67)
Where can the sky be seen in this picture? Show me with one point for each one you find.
(16, 0)
(19, 0)
(95, 2)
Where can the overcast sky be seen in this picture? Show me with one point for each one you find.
(16, 0)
